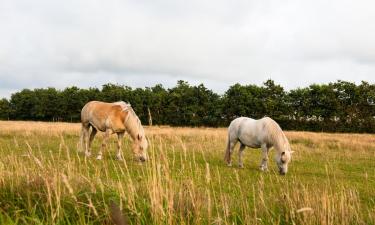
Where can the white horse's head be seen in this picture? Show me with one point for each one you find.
(282, 160)
(140, 146)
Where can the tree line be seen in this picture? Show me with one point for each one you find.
(335, 107)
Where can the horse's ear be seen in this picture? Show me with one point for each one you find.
(139, 137)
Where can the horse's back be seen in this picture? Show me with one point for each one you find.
(94, 107)
(241, 129)
(250, 132)
(239, 123)
(103, 115)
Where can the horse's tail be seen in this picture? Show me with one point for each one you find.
(227, 151)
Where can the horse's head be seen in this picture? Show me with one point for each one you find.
(140, 147)
(282, 160)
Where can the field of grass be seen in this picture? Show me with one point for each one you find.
(45, 180)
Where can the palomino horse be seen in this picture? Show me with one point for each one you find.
(263, 133)
(117, 117)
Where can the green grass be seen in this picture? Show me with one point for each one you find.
(44, 180)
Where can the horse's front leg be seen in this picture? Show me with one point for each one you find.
(264, 162)
(104, 144)
(240, 154)
(119, 145)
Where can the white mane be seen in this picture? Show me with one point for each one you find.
(275, 134)
(124, 105)
(132, 120)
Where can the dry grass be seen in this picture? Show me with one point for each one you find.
(44, 180)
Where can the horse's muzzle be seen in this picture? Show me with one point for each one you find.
(142, 159)
(282, 172)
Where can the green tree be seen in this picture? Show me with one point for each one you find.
(179, 107)
(23, 105)
(207, 108)
(47, 105)
(115, 92)
(245, 100)
(273, 98)
(366, 107)
(158, 104)
(4, 109)
(191, 105)
(338, 106)
(72, 102)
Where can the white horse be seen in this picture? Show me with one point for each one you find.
(117, 117)
(263, 133)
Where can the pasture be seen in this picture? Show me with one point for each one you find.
(44, 180)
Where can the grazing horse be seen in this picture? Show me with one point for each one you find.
(117, 117)
(263, 133)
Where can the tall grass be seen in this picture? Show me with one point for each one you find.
(45, 180)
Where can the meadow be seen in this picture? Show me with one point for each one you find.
(44, 179)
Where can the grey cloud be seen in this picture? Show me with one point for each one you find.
(141, 43)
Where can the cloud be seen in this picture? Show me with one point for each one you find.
(141, 43)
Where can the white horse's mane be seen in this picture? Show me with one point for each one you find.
(276, 134)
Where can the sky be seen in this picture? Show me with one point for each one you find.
(140, 43)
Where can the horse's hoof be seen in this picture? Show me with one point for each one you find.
(240, 166)
(119, 158)
(99, 157)
(229, 164)
(87, 154)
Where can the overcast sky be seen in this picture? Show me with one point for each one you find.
(140, 43)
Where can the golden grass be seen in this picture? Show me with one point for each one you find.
(44, 180)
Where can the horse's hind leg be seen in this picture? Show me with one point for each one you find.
(84, 138)
(119, 144)
(92, 136)
(264, 162)
(104, 144)
(240, 154)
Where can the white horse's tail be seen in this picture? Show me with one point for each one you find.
(227, 151)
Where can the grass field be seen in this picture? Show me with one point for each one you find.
(44, 180)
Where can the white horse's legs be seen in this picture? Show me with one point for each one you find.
(264, 162)
(104, 144)
(240, 154)
(119, 145)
